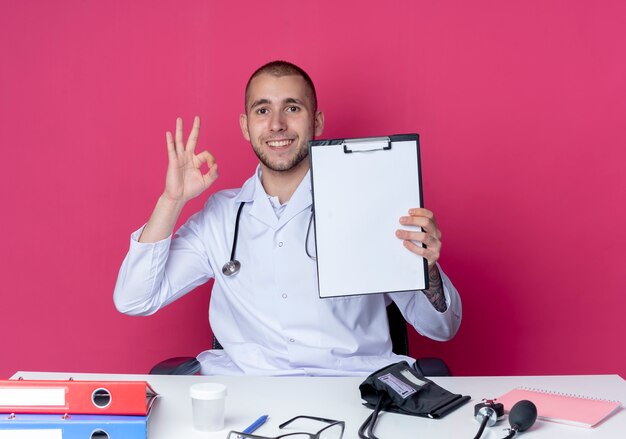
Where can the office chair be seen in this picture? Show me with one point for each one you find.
(428, 366)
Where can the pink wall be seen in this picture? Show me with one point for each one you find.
(521, 107)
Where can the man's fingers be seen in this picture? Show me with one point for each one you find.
(428, 224)
(206, 157)
(193, 136)
(417, 221)
(180, 146)
(170, 142)
(429, 254)
(430, 235)
(425, 238)
(420, 211)
(211, 175)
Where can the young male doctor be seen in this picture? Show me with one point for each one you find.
(267, 315)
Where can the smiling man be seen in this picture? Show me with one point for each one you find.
(266, 311)
(281, 117)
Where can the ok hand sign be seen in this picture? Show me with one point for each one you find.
(184, 179)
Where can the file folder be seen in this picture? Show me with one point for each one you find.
(361, 188)
(55, 426)
(76, 397)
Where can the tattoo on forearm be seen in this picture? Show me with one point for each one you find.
(434, 293)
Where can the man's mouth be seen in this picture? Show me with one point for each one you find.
(279, 143)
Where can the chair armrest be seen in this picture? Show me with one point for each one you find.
(177, 366)
(432, 367)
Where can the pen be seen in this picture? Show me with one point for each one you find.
(256, 424)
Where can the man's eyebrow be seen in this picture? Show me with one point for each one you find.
(260, 102)
(293, 101)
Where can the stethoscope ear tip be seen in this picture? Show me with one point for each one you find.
(231, 267)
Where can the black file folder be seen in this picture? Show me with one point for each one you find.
(361, 188)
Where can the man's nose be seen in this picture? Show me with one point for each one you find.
(278, 122)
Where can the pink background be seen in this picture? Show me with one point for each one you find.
(521, 107)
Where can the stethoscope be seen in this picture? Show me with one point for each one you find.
(233, 266)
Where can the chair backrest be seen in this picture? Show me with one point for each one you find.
(427, 366)
(397, 330)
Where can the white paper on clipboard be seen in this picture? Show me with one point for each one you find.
(361, 188)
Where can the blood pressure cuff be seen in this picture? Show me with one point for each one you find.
(399, 388)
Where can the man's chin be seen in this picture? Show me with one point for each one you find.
(282, 165)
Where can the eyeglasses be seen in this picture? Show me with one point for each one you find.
(332, 431)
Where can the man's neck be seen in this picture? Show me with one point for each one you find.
(283, 184)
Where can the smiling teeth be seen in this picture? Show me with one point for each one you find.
(279, 143)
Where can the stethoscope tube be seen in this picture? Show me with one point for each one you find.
(233, 266)
(306, 240)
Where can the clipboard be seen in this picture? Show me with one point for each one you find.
(361, 188)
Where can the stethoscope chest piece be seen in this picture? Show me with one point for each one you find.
(231, 267)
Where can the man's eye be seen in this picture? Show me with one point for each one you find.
(261, 111)
(293, 109)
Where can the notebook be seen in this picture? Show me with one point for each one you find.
(564, 408)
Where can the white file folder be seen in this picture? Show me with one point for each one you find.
(361, 188)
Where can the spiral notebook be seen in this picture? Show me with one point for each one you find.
(564, 408)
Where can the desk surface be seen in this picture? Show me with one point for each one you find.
(338, 398)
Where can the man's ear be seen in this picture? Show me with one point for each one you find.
(319, 123)
(243, 123)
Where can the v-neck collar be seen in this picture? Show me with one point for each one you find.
(262, 209)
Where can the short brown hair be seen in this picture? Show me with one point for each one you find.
(283, 68)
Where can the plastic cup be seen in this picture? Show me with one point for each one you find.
(207, 404)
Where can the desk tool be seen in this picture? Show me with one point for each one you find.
(76, 397)
(52, 426)
(256, 424)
